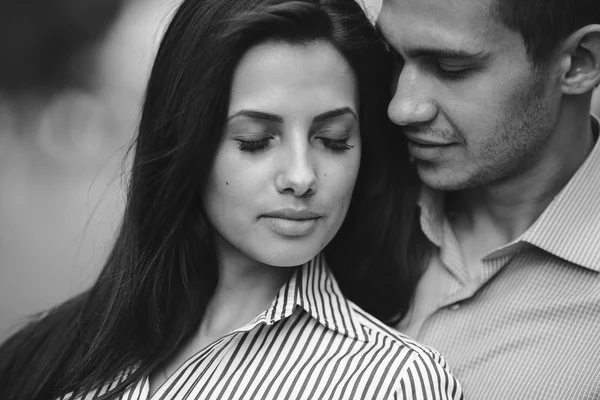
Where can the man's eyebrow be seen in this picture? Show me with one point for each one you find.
(257, 115)
(334, 113)
(460, 54)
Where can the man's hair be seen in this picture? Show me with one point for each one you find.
(543, 24)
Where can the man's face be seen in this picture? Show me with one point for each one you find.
(472, 106)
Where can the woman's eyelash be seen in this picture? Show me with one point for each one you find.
(336, 144)
(252, 146)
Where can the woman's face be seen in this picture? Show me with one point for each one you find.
(284, 173)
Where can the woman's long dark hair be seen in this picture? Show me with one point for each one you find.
(153, 290)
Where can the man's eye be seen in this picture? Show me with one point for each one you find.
(453, 71)
(253, 146)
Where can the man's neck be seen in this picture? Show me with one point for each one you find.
(499, 213)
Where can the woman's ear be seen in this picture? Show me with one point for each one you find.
(580, 60)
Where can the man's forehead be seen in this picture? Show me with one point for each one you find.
(465, 8)
(437, 24)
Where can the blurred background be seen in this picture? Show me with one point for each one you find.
(72, 76)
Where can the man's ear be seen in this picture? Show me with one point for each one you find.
(580, 60)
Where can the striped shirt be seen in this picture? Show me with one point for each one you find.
(312, 343)
(527, 326)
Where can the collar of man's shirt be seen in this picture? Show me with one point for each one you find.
(313, 288)
(568, 228)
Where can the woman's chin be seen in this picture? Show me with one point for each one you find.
(289, 258)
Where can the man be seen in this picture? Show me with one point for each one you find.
(494, 97)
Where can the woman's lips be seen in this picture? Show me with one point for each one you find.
(292, 222)
(291, 227)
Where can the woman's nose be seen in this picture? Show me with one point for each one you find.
(297, 175)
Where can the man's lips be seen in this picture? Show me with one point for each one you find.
(429, 142)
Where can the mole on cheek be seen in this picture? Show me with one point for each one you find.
(227, 183)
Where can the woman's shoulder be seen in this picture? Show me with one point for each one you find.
(377, 330)
(419, 371)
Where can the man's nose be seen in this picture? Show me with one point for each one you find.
(412, 102)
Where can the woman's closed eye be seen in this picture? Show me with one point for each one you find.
(335, 145)
(335, 136)
(254, 145)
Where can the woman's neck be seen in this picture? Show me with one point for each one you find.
(246, 288)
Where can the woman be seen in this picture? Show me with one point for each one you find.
(262, 131)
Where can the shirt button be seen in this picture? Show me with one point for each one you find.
(455, 306)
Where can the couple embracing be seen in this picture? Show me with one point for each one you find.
(318, 206)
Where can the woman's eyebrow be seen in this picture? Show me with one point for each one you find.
(334, 113)
(277, 118)
(257, 115)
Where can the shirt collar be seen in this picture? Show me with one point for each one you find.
(569, 228)
(314, 288)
